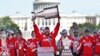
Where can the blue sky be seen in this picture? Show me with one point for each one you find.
(10, 7)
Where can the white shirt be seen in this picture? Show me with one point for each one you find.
(66, 42)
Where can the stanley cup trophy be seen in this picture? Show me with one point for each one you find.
(47, 13)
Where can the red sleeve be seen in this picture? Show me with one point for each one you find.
(60, 42)
(93, 40)
(71, 38)
(81, 39)
(55, 31)
(25, 43)
(80, 46)
(36, 30)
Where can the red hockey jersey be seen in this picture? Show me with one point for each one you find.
(87, 44)
(11, 46)
(97, 44)
(31, 48)
(20, 46)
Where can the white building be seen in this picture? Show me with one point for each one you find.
(26, 26)
(97, 19)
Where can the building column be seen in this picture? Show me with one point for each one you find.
(97, 20)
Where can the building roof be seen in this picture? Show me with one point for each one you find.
(46, 0)
(73, 15)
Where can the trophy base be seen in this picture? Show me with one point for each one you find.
(66, 52)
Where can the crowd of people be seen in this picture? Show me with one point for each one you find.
(15, 45)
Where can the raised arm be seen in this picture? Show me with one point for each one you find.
(36, 29)
(56, 29)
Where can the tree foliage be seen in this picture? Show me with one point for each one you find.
(82, 27)
(98, 26)
(89, 26)
(7, 23)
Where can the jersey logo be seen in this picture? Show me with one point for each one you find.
(10, 45)
(31, 45)
(88, 44)
(46, 39)
(98, 43)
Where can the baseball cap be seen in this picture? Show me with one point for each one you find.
(64, 31)
(10, 31)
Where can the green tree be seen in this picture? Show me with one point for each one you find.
(91, 27)
(98, 26)
(7, 23)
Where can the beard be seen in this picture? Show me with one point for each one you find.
(47, 33)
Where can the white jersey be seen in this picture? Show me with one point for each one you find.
(66, 42)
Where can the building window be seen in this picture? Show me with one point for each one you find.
(46, 22)
(49, 22)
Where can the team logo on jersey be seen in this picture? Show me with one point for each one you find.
(31, 45)
(88, 44)
(46, 39)
(98, 43)
(10, 45)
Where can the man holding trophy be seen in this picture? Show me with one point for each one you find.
(47, 39)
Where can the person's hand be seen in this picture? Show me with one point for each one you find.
(60, 47)
(33, 18)
(57, 52)
(33, 50)
(77, 52)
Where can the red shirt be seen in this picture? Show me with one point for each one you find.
(47, 41)
(87, 45)
(1, 47)
(20, 46)
(11, 46)
(97, 44)
(31, 44)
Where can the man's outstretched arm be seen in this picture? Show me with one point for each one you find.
(56, 29)
(36, 29)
